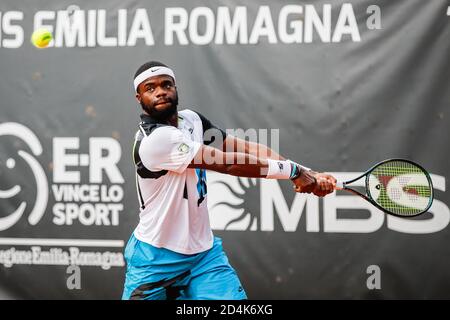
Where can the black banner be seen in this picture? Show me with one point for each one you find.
(336, 86)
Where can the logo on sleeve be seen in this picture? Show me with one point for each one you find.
(183, 148)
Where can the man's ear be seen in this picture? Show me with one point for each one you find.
(138, 97)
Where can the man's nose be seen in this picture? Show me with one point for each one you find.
(160, 91)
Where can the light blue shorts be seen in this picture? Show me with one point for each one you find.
(158, 274)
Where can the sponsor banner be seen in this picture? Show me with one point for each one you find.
(333, 85)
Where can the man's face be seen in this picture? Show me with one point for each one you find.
(158, 97)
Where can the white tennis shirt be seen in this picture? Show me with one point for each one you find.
(174, 213)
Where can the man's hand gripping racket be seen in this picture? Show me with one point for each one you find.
(320, 184)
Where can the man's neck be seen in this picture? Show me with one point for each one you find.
(172, 120)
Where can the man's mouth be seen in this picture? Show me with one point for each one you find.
(162, 102)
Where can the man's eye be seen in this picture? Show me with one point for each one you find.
(151, 89)
(169, 86)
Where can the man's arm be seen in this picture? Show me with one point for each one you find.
(307, 182)
(232, 163)
(252, 158)
(235, 144)
(247, 165)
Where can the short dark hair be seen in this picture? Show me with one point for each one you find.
(148, 65)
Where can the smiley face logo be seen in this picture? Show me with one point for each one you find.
(20, 131)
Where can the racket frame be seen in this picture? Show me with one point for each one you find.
(367, 196)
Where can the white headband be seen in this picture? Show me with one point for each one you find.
(151, 72)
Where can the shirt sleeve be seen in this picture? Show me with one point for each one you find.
(209, 138)
(167, 148)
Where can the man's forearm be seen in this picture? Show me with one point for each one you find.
(245, 165)
(234, 144)
(232, 163)
(263, 151)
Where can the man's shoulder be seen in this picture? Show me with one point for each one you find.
(145, 130)
(163, 131)
(188, 114)
(161, 140)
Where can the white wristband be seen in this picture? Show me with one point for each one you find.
(278, 169)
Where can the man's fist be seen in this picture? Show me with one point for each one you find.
(319, 184)
(325, 184)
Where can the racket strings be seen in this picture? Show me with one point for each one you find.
(400, 187)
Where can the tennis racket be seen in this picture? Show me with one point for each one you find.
(396, 186)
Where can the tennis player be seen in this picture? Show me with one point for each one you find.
(172, 253)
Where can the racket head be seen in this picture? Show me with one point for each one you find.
(400, 187)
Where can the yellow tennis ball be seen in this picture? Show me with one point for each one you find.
(41, 38)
